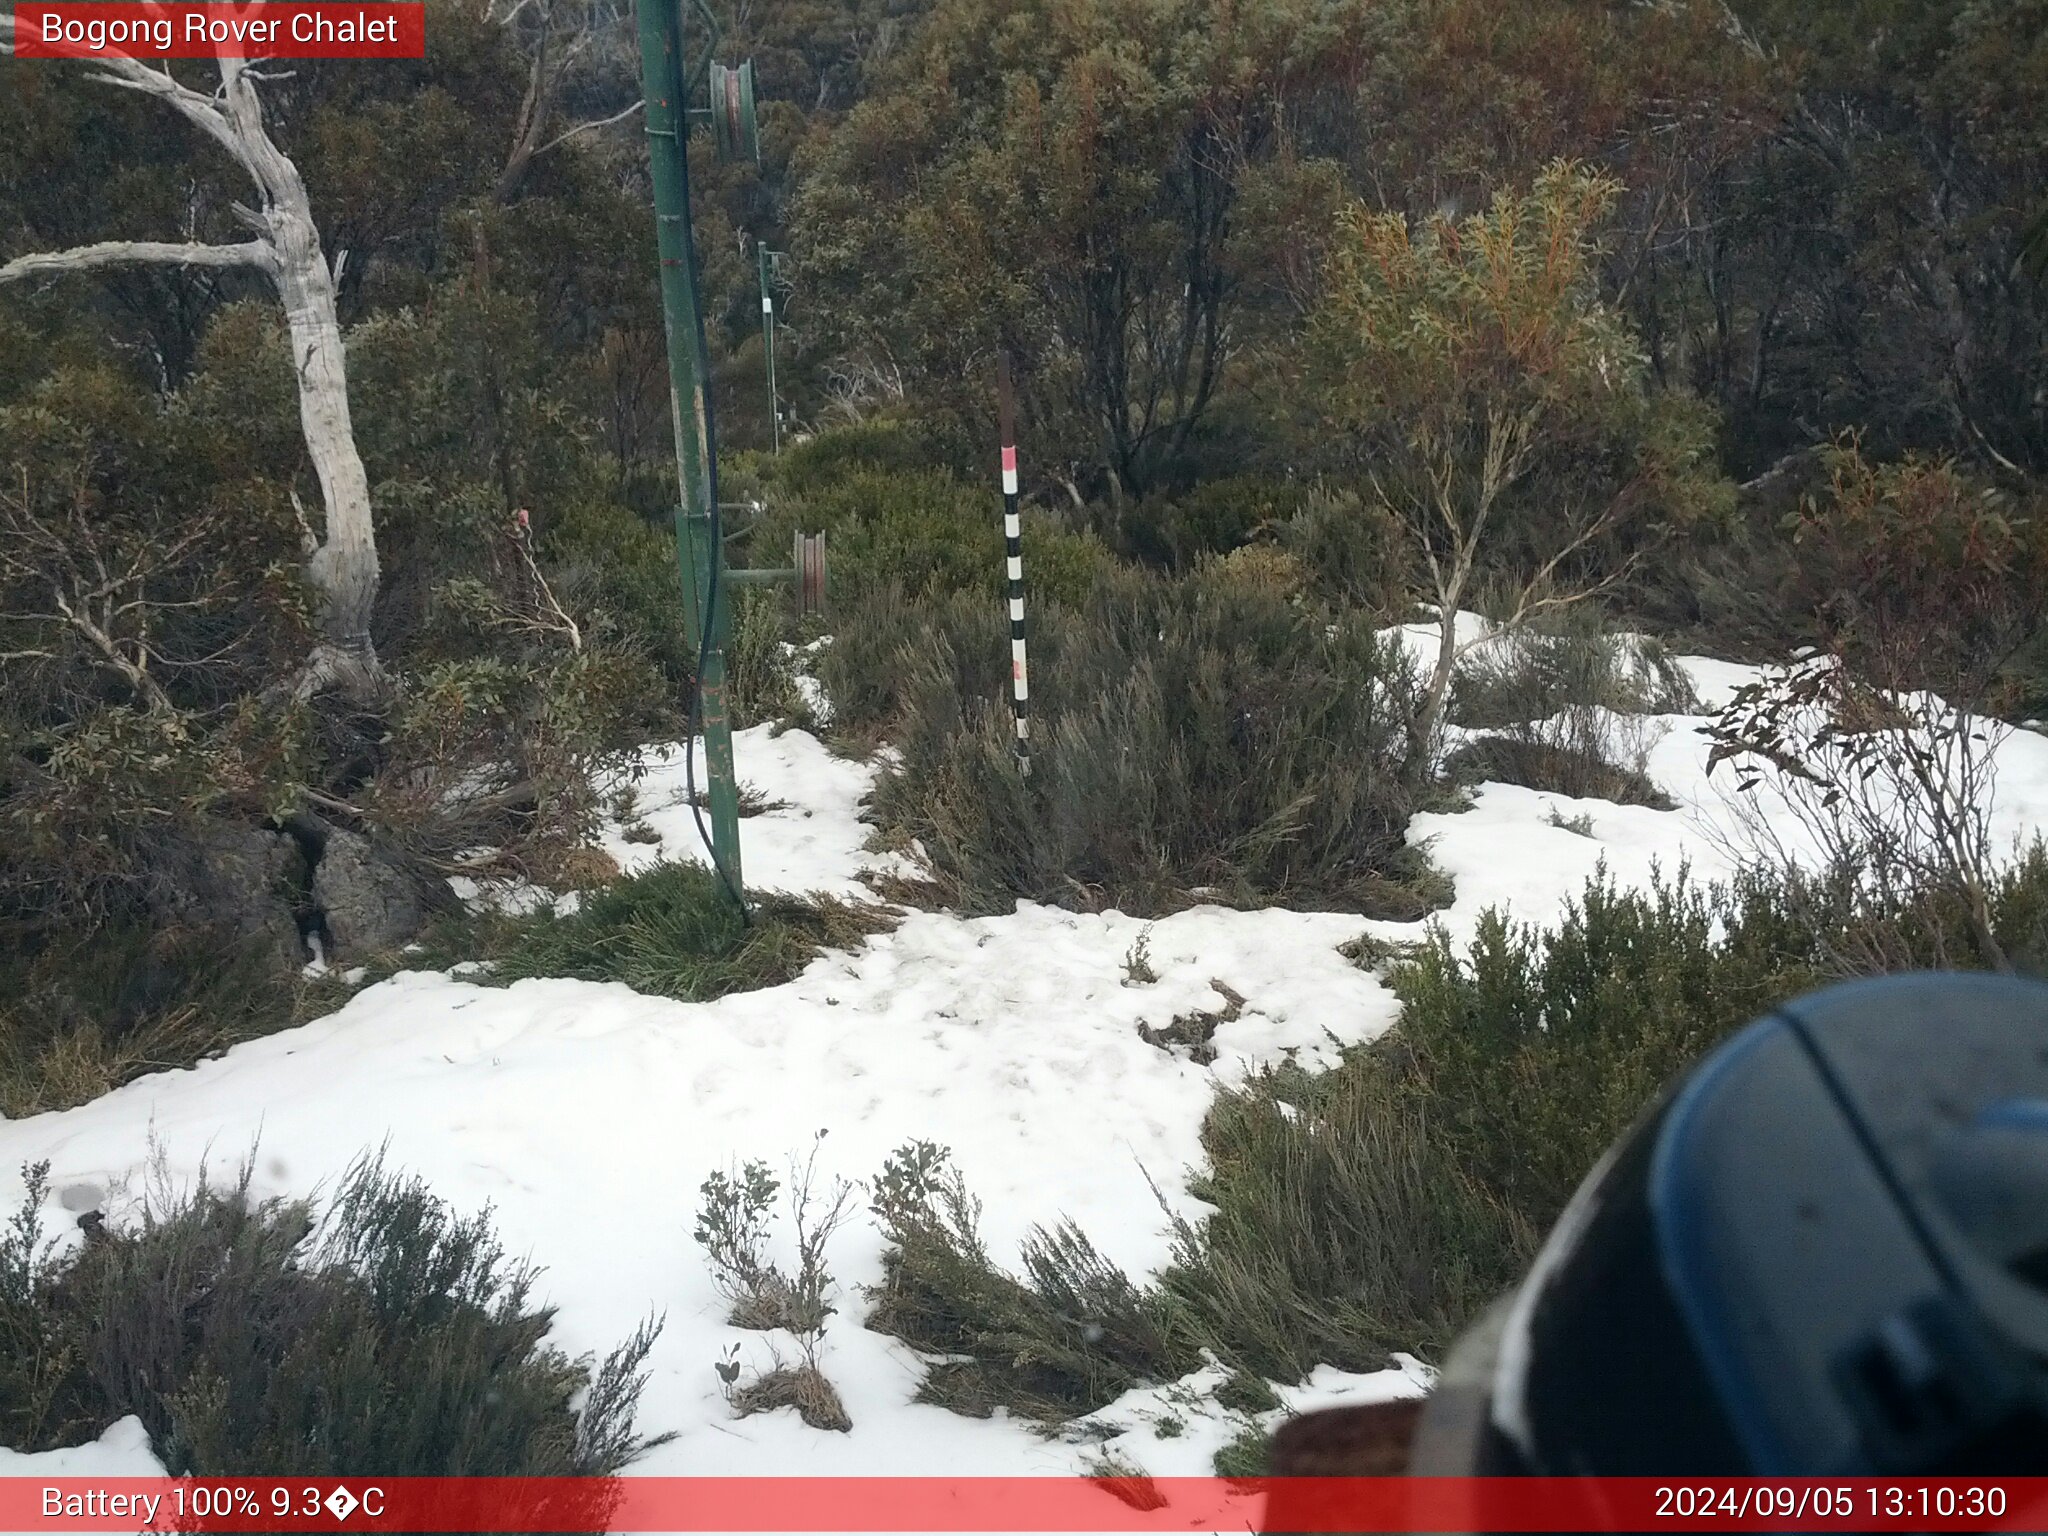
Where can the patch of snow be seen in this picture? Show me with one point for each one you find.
(1422, 640)
(813, 840)
(123, 1451)
(514, 898)
(808, 688)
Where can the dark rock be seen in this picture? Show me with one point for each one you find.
(368, 902)
(239, 881)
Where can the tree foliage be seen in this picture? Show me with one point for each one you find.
(1074, 184)
(1471, 373)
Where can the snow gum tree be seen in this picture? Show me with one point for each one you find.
(285, 247)
(1469, 373)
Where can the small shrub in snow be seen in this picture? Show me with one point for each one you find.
(1243, 1392)
(386, 1336)
(1195, 1032)
(1073, 1334)
(1116, 1475)
(671, 931)
(1580, 826)
(1587, 754)
(1138, 971)
(1564, 712)
(732, 1228)
(802, 1387)
(1533, 676)
(1244, 1456)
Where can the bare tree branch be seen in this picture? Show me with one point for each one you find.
(590, 127)
(123, 253)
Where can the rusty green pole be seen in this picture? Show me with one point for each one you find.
(667, 84)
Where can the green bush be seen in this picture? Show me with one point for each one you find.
(621, 572)
(821, 461)
(78, 1020)
(1345, 1227)
(1534, 1050)
(1071, 1336)
(1357, 550)
(387, 1337)
(1205, 734)
(1213, 518)
(760, 676)
(928, 533)
(671, 931)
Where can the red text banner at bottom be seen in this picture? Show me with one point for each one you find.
(1020, 1504)
(267, 29)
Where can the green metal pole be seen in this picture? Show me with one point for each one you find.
(665, 79)
(768, 344)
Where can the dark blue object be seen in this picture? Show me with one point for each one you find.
(1825, 1253)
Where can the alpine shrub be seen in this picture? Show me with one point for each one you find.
(672, 931)
(1210, 736)
(386, 1336)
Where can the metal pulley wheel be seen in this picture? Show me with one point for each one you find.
(810, 573)
(732, 113)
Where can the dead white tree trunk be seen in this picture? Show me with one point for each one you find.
(341, 561)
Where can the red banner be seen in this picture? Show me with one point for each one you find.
(266, 29)
(1019, 1504)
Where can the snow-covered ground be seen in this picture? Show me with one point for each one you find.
(587, 1115)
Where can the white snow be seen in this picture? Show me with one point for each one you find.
(811, 839)
(587, 1115)
(123, 1451)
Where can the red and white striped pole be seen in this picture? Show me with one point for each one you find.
(1013, 548)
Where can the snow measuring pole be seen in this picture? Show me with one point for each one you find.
(668, 82)
(1013, 551)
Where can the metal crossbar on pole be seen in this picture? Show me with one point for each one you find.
(1013, 550)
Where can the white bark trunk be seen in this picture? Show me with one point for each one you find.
(343, 566)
